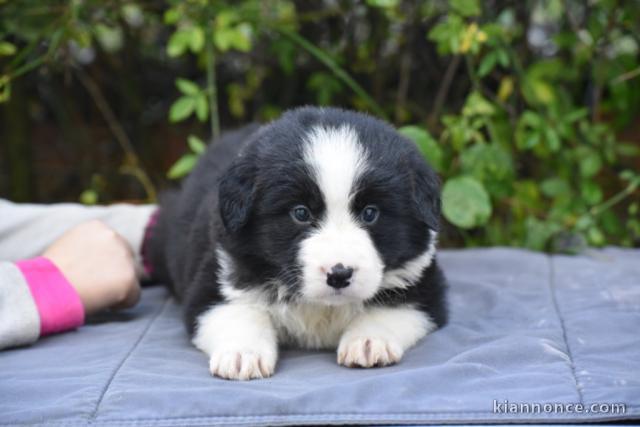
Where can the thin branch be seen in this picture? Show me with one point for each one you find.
(132, 162)
(339, 72)
(444, 89)
(212, 92)
(626, 76)
(597, 88)
(615, 199)
(403, 84)
(25, 68)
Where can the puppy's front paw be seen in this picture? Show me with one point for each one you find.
(368, 352)
(242, 365)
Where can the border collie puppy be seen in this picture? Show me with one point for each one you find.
(317, 230)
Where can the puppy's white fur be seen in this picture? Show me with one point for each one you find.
(380, 336)
(242, 339)
(239, 339)
(337, 159)
(308, 325)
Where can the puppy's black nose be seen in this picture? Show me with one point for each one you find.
(339, 276)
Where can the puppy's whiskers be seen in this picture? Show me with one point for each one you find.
(287, 283)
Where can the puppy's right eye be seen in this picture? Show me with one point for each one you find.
(301, 214)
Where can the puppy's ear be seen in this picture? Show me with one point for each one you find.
(236, 194)
(425, 188)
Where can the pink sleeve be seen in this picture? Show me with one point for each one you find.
(58, 303)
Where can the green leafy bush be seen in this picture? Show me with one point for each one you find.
(525, 109)
(527, 161)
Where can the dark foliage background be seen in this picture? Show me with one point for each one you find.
(529, 110)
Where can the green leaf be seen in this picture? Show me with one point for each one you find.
(538, 91)
(503, 57)
(286, 53)
(466, 7)
(196, 39)
(465, 202)
(576, 115)
(552, 138)
(89, 197)
(538, 233)
(628, 175)
(181, 109)
(178, 43)
(478, 105)
(427, 145)
(5, 89)
(226, 18)
(187, 87)
(383, 4)
(202, 108)
(7, 49)
(590, 163)
(110, 38)
(196, 144)
(183, 166)
(448, 33)
(242, 40)
(627, 150)
(132, 15)
(591, 192)
(595, 236)
(237, 95)
(491, 165)
(81, 36)
(171, 16)
(554, 187)
(238, 37)
(583, 222)
(528, 130)
(611, 223)
(487, 64)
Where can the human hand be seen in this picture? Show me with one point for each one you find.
(99, 264)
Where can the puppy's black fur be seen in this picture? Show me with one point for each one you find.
(241, 192)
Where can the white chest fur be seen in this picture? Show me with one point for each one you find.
(312, 325)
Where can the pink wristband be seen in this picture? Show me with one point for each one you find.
(146, 240)
(58, 303)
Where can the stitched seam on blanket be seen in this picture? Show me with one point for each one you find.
(105, 389)
(629, 410)
(632, 411)
(556, 306)
(349, 416)
(401, 416)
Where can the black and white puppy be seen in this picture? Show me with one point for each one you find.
(317, 230)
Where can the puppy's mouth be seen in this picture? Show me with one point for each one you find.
(334, 300)
(335, 297)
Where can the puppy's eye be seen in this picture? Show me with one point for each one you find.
(301, 214)
(369, 214)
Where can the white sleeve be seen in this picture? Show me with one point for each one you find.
(19, 318)
(26, 230)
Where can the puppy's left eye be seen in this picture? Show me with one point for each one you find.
(369, 214)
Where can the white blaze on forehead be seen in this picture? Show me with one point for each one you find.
(337, 160)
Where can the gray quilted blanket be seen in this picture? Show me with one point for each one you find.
(532, 338)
